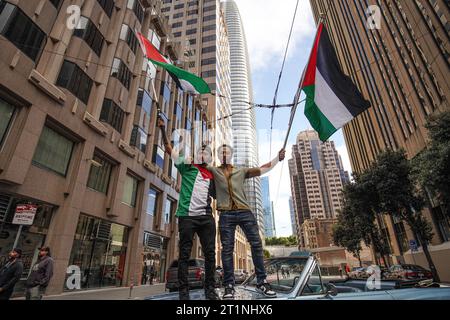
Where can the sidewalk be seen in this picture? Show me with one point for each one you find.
(122, 293)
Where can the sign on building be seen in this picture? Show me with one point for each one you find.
(25, 214)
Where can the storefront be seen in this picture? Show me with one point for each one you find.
(30, 237)
(154, 258)
(99, 250)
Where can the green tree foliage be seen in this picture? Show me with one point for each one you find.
(282, 241)
(431, 167)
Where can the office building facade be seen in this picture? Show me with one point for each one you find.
(400, 63)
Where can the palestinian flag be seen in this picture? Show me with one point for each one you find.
(187, 81)
(332, 99)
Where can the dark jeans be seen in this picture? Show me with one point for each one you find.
(227, 227)
(205, 227)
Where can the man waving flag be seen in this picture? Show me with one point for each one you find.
(332, 99)
(187, 81)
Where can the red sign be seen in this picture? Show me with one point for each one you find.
(25, 214)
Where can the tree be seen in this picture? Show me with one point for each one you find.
(281, 241)
(431, 167)
(399, 197)
(356, 222)
(266, 254)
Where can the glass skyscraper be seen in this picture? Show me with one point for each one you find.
(267, 207)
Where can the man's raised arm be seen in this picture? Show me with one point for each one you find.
(255, 172)
(174, 153)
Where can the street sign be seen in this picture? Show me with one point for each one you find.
(25, 214)
(413, 245)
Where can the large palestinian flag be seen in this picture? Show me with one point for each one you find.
(332, 99)
(187, 81)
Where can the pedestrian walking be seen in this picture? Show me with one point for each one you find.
(10, 274)
(40, 275)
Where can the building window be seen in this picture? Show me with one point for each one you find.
(168, 210)
(87, 31)
(53, 151)
(6, 117)
(152, 201)
(209, 28)
(177, 34)
(209, 18)
(121, 72)
(137, 8)
(127, 35)
(100, 173)
(107, 5)
(130, 190)
(208, 61)
(179, 6)
(75, 80)
(192, 21)
(210, 73)
(112, 114)
(192, 41)
(21, 30)
(178, 15)
(209, 38)
(139, 138)
(209, 49)
(191, 31)
(158, 156)
(177, 25)
(210, 8)
(99, 250)
(192, 12)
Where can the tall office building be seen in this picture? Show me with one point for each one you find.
(267, 207)
(80, 150)
(292, 212)
(401, 64)
(244, 120)
(317, 179)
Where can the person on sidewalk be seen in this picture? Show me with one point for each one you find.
(40, 275)
(194, 214)
(10, 274)
(235, 211)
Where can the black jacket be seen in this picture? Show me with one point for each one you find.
(41, 273)
(9, 275)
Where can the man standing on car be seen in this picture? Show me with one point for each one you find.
(235, 211)
(10, 274)
(194, 214)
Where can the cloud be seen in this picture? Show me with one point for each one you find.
(267, 25)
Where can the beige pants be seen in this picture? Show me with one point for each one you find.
(34, 293)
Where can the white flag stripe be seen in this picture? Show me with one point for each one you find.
(330, 105)
(187, 86)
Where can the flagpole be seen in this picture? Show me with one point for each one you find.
(297, 96)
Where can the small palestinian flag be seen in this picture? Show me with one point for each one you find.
(187, 81)
(332, 99)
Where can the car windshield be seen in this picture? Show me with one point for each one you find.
(282, 274)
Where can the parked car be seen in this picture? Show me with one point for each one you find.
(408, 272)
(196, 276)
(307, 283)
(240, 276)
(358, 273)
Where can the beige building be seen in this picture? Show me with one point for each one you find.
(78, 143)
(401, 64)
(317, 179)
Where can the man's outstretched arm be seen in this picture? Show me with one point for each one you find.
(174, 153)
(256, 172)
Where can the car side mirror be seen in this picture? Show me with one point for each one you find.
(331, 290)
